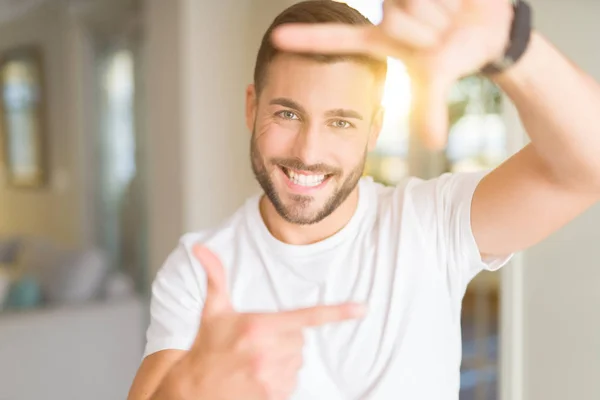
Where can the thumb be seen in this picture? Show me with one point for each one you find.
(217, 297)
(429, 116)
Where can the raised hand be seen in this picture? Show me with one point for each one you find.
(248, 356)
(440, 41)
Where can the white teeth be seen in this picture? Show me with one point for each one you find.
(306, 180)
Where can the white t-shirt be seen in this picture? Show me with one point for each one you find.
(408, 252)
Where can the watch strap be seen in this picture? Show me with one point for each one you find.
(520, 35)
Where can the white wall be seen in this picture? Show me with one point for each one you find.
(200, 58)
(217, 67)
(562, 275)
(162, 59)
(53, 211)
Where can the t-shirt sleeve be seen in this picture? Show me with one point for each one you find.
(447, 200)
(176, 304)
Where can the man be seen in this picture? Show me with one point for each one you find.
(331, 286)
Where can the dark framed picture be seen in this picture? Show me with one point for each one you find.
(22, 117)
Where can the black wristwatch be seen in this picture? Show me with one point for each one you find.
(520, 35)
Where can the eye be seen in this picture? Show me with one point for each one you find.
(287, 114)
(341, 124)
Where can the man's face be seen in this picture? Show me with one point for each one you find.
(312, 127)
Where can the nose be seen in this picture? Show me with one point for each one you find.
(308, 145)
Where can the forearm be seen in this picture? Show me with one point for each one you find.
(172, 387)
(560, 109)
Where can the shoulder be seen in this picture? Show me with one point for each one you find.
(423, 199)
(428, 190)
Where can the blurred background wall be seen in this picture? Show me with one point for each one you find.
(145, 139)
(561, 296)
(56, 211)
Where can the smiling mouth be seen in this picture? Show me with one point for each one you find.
(305, 179)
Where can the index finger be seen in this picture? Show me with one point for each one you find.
(429, 113)
(332, 38)
(314, 316)
(217, 297)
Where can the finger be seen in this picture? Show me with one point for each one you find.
(330, 38)
(280, 381)
(407, 29)
(217, 297)
(451, 6)
(282, 346)
(314, 316)
(429, 117)
(284, 376)
(293, 341)
(430, 12)
(321, 38)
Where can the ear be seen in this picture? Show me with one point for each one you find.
(376, 127)
(251, 105)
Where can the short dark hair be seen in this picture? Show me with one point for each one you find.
(314, 12)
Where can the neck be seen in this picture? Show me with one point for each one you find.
(307, 234)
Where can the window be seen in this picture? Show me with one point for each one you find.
(120, 206)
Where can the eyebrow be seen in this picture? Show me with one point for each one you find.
(289, 103)
(338, 112)
(343, 113)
